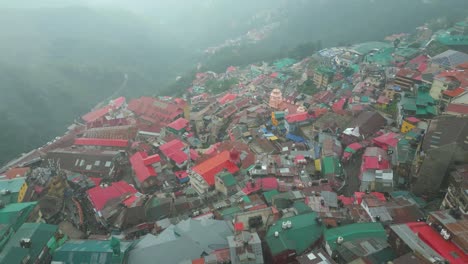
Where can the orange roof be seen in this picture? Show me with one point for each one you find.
(210, 167)
(454, 92)
(16, 172)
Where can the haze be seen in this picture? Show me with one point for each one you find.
(60, 58)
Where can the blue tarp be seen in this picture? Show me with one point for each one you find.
(295, 138)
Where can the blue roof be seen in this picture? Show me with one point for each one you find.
(295, 138)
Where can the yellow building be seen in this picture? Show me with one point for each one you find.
(22, 192)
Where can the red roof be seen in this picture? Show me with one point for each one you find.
(388, 139)
(101, 142)
(264, 184)
(432, 238)
(346, 200)
(454, 92)
(181, 174)
(209, 168)
(460, 75)
(458, 108)
(94, 115)
(408, 73)
(227, 98)
(16, 172)
(152, 159)
(239, 226)
(383, 100)
(142, 171)
(155, 110)
(99, 196)
(231, 69)
(298, 117)
(274, 75)
(174, 150)
(179, 124)
(359, 195)
(338, 106)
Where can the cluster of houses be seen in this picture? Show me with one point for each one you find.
(355, 154)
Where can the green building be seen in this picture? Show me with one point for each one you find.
(29, 244)
(9, 189)
(93, 251)
(334, 236)
(292, 236)
(16, 214)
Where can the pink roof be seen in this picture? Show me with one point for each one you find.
(432, 238)
(94, 115)
(210, 167)
(355, 146)
(142, 171)
(179, 124)
(99, 196)
(231, 69)
(458, 108)
(274, 75)
(299, 159)
(383, 100)
(227, 98)
(298, 117)
(413, 120)
(101, 142)
(264, 184)
(388, 139)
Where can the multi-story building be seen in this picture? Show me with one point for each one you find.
(457, 193)
(245, 248)
(323, 76)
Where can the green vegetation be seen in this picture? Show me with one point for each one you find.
(219, 86)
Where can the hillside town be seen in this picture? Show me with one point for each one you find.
(355, 154)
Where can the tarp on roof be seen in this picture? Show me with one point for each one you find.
(295, 138)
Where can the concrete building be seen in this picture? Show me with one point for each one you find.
(245, 248)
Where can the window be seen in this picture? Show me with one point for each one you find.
(81, 163)
(108, 164)
(77, 162)
(97, 163)
(88, 167)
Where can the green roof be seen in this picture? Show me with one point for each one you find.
(16, 214)
(366, 47)
(228, 179)
(14, 186)
(39, 234)
(354, 231)
(301, 207)
(409, 195)
(305, 232)
(383, 57)
(453, 40)
(407, 53)
(269, 195)
(90, 251)
(246, 199)
(280, 64)
(364, 99)
(230, 211)
(331, 165)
